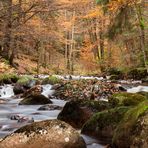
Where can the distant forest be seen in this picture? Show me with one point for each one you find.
(74, 36)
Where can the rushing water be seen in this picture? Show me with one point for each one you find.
(9, 108)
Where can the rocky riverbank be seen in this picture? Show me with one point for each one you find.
(98, 107)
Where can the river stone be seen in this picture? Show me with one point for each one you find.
(132, 131)
(46, 134)
(77, 112)
(35, 100)
(73, 114)
(50, 107)
(102, 124)
(36, 90)
(18, 89)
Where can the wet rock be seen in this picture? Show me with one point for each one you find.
(3, 101)
(53, 134)
(15, 117)
(18, 89)
(56, 86)
(121, 87)
(35, 100)
(33, 96)
(126, 99)
(103, 124)
(36, 90)
(133, 129)
(50, 107)
(21, 119)
(73, 114)
(25, 120)
(76, 113)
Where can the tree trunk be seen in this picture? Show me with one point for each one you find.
(142, 35)
(8, 30)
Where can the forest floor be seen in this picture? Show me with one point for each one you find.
(24, 65)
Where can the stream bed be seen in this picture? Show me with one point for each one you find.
(10, 110)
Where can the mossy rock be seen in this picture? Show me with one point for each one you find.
(137, 73)
(103, 124)
(95, 106)
(77, 112)
(51, 80)
(8, 78)
(126, 99)
(133, 128)
(35, 100)
(26, 81)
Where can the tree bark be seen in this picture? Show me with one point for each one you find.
(8, 30)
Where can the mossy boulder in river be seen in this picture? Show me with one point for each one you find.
(103, 124)
(51, 80)
(133, 128)
(7, 78)
(76, 113)
(26, 81)
(126, 99)
(50, 133)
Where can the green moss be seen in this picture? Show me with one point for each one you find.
(126, 99)
(8, 78)
(51, 80)
(124, 132)
(23, 80)
(137, 73)
(102, 124)
(95, 106)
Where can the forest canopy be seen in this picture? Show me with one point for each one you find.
(73, 36)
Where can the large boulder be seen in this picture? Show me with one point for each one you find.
(133, 129)
(103, 124)
(34, 96)
(76, 113)
(52, 133)
(35, 100)
(126, 99)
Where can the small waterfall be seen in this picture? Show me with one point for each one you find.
(138, 89)
(47, 91)
(6, 91)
